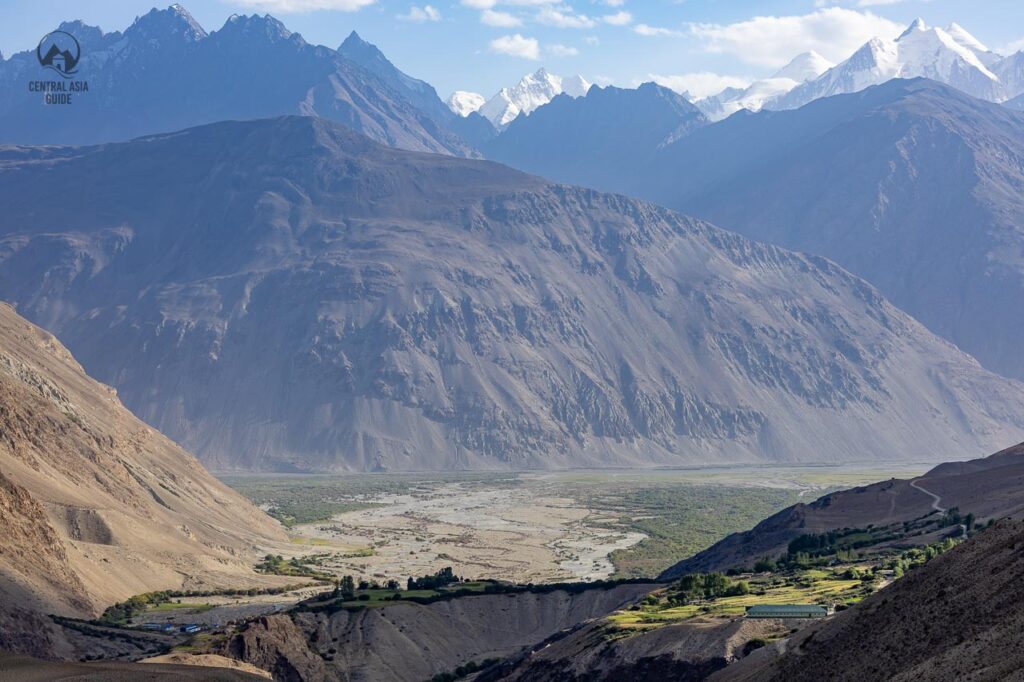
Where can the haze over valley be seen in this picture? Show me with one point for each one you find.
(312, 371)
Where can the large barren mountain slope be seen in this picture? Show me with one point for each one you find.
(990, 488)
(95, 505)
(912, 185)
(286, 294)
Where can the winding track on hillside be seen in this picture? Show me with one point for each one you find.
(935, 498)
(935, 502)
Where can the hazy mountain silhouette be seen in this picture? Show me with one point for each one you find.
(165, 72)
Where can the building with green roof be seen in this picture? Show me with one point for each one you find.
(787, 611)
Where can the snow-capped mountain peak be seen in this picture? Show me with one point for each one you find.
(919, 52)
(804, 67)
(575, 86)
(961, 35)
(934, 54)
(464, 103)
(917, 26)
(533, 91)
(175, 22)
(968, 41)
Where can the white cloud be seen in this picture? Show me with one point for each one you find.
(773, 41)
(863, 3)
(492, 17)
(516, 46)
(592, 40)
(645, 30)
(618, 19)
(563, 17)
(700, 83)
(1012, 47)
(420, 15)
(490, 4)
(290, 6)
(562, 51)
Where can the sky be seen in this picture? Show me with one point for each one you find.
(483, 45)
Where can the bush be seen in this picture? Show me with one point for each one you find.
(754, 645)
(699, 586)
(442, 578)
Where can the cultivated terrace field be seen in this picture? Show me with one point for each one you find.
(832, 575)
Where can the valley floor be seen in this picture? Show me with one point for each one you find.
(534, 526)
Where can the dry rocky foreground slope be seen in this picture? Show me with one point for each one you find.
(286, 294)
(97, 506)
(411, 642)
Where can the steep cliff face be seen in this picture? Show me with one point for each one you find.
(685, 652)
(286, 294)
(412, 642)
(97, 506)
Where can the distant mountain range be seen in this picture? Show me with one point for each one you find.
(590, 140)
(912, 185)
(901, 183)
(531, 92)
(951, 56)
(287, 294)
(165, 72)
(803, 68)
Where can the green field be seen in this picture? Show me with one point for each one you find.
(678, 518)
(178, 606)
(295, 500)
(801, 587)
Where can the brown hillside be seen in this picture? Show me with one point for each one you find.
(990, 487)
(97, 506)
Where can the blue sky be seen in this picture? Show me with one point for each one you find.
(482, 45)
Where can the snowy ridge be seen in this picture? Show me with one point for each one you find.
(533, 91)
(464, 103)
(951, 56)
(803, 67)
(948, 55)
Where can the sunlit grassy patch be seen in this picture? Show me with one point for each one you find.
(805, 587)
(179, 606)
